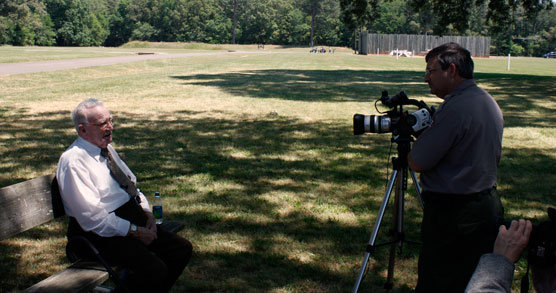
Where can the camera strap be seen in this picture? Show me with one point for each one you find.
(525, 280)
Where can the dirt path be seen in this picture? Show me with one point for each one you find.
(30, 67)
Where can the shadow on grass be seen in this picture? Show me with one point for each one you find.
(526, 101)
(234, 166)
(516, 94)
(30, 144)
(26, 260)
(312, 85)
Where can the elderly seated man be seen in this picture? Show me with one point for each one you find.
(105, 206)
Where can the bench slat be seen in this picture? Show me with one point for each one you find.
(28, 204)
(80, 277)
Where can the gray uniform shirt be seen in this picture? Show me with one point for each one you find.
(494, 273)
(461, 150)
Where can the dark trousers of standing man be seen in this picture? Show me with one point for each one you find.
(456, 230)
(154, 268)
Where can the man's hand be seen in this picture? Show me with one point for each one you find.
(151, 222)
(510, 243)
(143, 234)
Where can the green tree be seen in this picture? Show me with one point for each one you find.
(259, 22)
(450, 14)
(79, 22)
(186, 21)
(395, 17)
(120, 25)
(457, 13)
(312, 8)
(357, 14)
(25, 22)
(291, 24)
(329, 29)
(144, 32)
(234, 9)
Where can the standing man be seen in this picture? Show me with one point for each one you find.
(457, 156)
(104, 205)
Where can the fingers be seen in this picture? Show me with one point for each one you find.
(145, 235)
(521, 227)
(514, 227)
(528, 228)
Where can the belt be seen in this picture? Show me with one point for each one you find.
(449, 197)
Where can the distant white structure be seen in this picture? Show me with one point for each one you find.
(369, 43)
(403, 53)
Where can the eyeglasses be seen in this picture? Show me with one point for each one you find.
(104, 125)
(429, 71)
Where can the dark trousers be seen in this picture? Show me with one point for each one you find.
(154, 268)
(456, 230)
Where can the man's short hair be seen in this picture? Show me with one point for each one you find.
(453, 53)
(79, 114)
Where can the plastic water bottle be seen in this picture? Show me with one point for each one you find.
(157, 208)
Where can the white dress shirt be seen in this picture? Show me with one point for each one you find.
(89, 193)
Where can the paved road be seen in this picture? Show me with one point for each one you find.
(30, 67)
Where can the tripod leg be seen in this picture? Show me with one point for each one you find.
(397, 229)
(370, 246)
(391, 262)
(417, 188)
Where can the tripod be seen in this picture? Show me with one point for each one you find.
(399, 176)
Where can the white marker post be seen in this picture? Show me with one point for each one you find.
(508, 69)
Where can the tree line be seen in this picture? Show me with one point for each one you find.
(519, 27)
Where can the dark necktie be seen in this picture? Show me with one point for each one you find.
(131, 210)
(119, 175)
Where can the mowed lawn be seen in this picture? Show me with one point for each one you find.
(255, 153)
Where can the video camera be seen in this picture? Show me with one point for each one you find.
(396, 120)
(541, 250)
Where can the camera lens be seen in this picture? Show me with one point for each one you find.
(370, 124)
(380, 124)
(358, 124)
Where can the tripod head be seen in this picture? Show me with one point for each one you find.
(395, 119)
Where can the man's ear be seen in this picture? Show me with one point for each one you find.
(81, 129)
(454, 70)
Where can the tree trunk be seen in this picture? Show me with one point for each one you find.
(313, 14)
(234, 23)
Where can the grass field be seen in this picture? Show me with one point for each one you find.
(255, 153)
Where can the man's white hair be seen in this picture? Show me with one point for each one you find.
(79, 114)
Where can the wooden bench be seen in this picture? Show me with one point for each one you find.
(34, 202)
